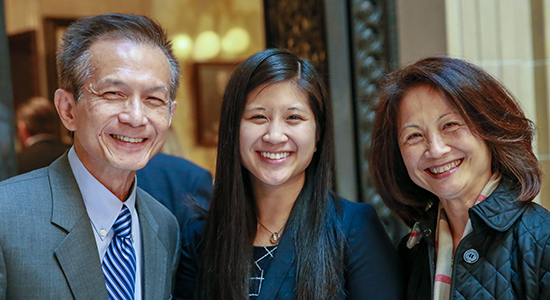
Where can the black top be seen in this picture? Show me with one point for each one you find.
(262, 260)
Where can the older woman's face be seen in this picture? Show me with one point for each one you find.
(439, 150)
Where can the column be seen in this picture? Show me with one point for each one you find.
(7, 151)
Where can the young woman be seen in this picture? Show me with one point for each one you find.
(452, 156)
(274, 229)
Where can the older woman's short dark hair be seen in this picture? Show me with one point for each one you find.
(490, 111)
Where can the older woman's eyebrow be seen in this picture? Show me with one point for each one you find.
(409, 126)
(446, 114)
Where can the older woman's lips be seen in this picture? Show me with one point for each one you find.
(445, 168)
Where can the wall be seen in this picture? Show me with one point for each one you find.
(23, 15)
(421, 29)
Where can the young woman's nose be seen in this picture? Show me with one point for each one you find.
(275, 133)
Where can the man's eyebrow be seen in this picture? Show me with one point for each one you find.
(121, 83)
(112, 81)
(163, 87)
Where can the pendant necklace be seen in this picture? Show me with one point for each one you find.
(275, 236)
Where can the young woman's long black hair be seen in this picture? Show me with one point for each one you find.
(231, 223)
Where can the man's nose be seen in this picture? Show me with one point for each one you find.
(133, 113)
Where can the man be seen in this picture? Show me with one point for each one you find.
(177, 183)
(39, 133)
(80, 229)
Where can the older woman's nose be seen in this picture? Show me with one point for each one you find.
(437, 146)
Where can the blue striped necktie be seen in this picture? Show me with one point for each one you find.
(119, 263)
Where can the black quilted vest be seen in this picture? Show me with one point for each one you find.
(507, 256)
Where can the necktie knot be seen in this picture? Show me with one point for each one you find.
(123, 223)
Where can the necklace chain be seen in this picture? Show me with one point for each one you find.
(275, 236)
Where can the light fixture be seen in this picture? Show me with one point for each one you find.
(182, 45)
(236, 41)
(207, 46)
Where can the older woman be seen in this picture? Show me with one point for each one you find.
(274, 229)
(452, 157)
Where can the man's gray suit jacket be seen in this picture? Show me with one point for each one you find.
(48, 248)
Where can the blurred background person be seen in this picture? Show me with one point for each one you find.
(39, 133)
(275, 230)
(452, 156)
(173, 181)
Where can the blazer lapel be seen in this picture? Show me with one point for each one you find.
(77, 254)
(154, 254)
(279, 267)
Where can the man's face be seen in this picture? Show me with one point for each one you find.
(124, 114)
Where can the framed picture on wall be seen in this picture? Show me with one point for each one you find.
(210, 81)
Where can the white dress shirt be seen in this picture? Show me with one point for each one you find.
(103, 208)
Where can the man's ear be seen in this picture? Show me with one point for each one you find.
(173, 110)
(65, 104)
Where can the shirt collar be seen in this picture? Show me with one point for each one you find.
(102, 205)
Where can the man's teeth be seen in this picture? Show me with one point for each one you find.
(128, 139)
(447, 167)
(271, 155)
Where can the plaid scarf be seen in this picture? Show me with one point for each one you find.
(444, 243)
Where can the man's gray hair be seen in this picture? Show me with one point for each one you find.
(74, 65)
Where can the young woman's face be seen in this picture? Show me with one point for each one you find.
(439, 150)
(277, 135)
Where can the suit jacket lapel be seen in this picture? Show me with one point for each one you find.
(77, 254)
(279, 267)
(154, 254)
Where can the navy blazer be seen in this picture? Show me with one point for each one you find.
(171, 180)
(371, 262)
